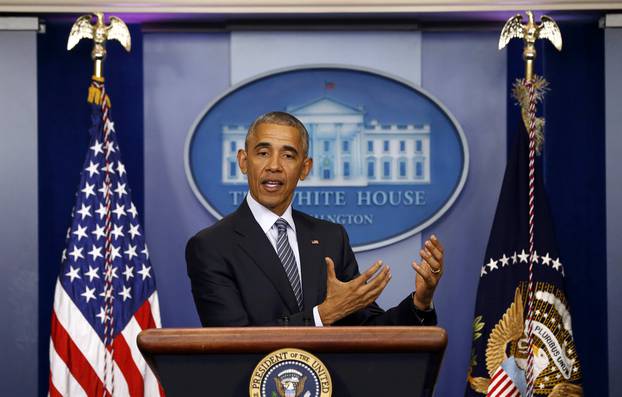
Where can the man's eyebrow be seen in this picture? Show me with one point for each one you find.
(290, 148)
(260, 145)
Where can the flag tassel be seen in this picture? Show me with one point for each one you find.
(95, 96)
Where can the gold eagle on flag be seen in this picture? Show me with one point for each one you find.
(508, 341)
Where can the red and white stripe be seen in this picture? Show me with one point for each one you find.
(77, 354)
(501, 385)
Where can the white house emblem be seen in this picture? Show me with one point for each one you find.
(388, 158)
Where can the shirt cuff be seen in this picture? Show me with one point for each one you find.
(316, 317)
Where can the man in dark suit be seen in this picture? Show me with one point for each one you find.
(267, 264)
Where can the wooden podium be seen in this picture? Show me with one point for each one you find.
(362, 361)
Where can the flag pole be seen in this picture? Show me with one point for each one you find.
(511, 352)
(528, 92)
(99, 32)
(98, 313)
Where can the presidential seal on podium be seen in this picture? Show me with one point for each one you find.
(290, 373)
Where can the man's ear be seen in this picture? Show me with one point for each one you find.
(307, 165)
(242, 157)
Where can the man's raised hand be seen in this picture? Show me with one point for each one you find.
(343, 299)
(429, 272)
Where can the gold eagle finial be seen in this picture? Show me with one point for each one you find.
(530, 32)
(99, 32)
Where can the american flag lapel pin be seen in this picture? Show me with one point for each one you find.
(315, 242)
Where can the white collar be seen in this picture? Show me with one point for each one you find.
(267, 218)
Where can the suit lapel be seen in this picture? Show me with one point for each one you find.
(256, 244)
(311, 262)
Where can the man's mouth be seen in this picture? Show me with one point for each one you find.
(272, 184)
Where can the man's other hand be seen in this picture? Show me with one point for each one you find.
(343, 299)
(429, 272)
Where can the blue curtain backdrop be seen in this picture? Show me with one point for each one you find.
(64, 120)
(574, 175)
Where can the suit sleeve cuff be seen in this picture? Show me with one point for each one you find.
(316, 317)
(423, 317)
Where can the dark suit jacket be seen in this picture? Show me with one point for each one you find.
(237, 278)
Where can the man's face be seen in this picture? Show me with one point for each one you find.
(274, 161)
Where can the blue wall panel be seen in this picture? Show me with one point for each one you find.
(613, 116)
(183, 72)
(18, 212)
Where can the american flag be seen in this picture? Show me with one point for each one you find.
(106, 290)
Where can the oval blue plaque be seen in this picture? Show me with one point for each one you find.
(389, 159)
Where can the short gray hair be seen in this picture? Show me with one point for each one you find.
(281, 118)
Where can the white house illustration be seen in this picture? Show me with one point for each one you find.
(346, 150)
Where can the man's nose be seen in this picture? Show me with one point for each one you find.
(275, 163)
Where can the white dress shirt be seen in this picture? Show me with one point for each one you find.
(266, 220)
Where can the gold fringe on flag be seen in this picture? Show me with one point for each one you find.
(521, 94)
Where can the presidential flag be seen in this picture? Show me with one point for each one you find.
(106, 290)
(501, 333)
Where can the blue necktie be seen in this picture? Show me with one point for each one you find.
(286, 255)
